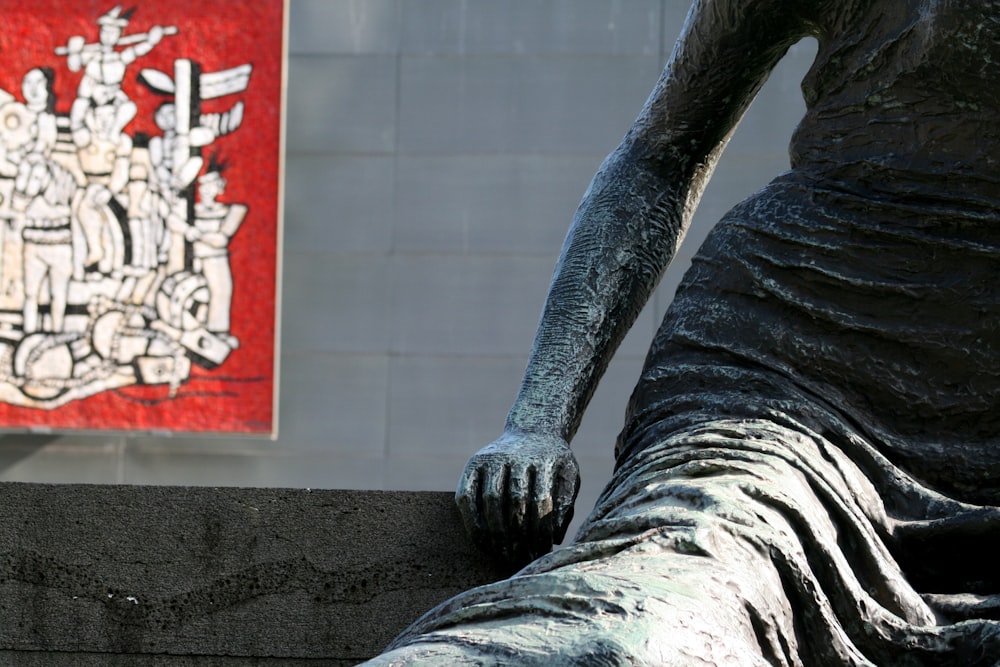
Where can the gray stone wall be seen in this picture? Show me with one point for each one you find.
(436, 152)
(144, 575)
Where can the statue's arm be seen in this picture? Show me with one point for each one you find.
(516, 494)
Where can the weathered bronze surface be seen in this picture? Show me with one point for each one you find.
(809, 472)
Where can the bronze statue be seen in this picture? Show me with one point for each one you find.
(809, 472)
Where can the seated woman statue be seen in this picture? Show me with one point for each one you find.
(809, 472)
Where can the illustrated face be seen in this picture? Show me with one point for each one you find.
(211, 187)
(166, 118)
(102, 119)
(110, 34)
(104, 115)
(34, 87)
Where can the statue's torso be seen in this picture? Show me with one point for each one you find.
(868, 275)
(908, 87)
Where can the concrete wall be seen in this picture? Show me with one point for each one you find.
(95, 575)
(436, 152)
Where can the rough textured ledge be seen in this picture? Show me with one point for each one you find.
(108, 575)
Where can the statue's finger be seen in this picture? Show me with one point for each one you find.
(565, 488)
(495, 498)
(469, 498)
(517, 499)
(530, 530)
(542, 511)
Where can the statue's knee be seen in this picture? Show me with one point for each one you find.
(605, 652)
(433, 654)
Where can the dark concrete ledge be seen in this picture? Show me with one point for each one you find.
(118, 575)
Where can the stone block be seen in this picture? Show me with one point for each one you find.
(187, 576)
(467, 305)
(344, 27)
(490, 204)
(55, 459)
(335, 303)
(531, 27)
(342, 103)
(447, 407)
(526, 105)
(339, 204)
(335, 403)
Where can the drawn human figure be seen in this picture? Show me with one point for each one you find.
(43, 192)
(809, 470)
(104, 66)
(176, 153)
(10, 157)
(175, 166)
(30, 126)
(104, 161)
(215, 223)
(145, 235)
(12, 113)
(174, 170)
(26, 129)
(36, 87)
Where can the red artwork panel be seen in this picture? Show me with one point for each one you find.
(140, 166)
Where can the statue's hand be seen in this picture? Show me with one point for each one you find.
(516, 495)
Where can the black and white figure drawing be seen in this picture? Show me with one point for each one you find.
(115, 267)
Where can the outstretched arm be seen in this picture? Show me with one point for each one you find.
(516, 495)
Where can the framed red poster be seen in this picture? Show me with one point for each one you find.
(140, 204)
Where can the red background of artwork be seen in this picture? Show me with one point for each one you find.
(238, 396)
